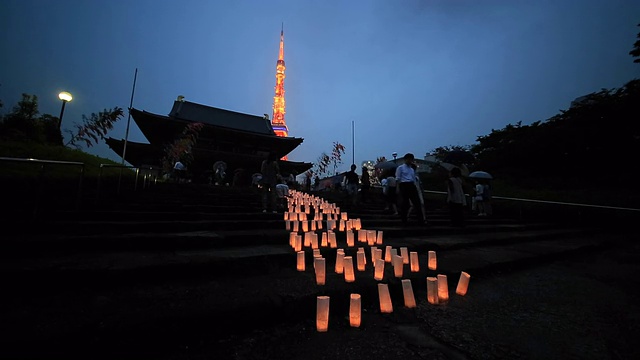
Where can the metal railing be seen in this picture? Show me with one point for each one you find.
(43, 168)
(148, 177)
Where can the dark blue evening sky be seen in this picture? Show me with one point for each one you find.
(413, 75)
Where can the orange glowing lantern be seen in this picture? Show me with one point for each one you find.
(443, 289)
(373, 254)
(397, 266)
(331, 224)
(298, 243)
(349, 275)
(324, 241)
(355, 310)
(319, 224)
(378, 273)
(341, 225)
(379, 238)
(387, 254)
(314, 240)
(286, 216)
(305, 226)
(344, 216)
(433, 262)
(371, 237)
(339, 262)
(307, 239)
(386, 306)
(320, 267)
(407, 291)
(404, 252)
(463, 284)
(362, 235)
(287, 225)
(332, 240)
(292, 239)
(379, 254)
(350, 240)
(361, 260)
(415, 264)
(322, 314)
(296, 225)
(313, 225)
(316, 252)
(300, 261)
(432, 290)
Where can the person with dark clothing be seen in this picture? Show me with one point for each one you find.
(270, 173)
(351, 181)
(406, 177)
(365, 184)
(456, 198)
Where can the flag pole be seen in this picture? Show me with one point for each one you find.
(126, 134)
(353, 143)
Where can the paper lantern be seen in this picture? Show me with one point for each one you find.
(307, 239)
(313, 225)
(319, 224)
(373, 254)
(344, 216)
(361, 250)
(407, 291)
(415, 264)
(332, 240)
(362, 235)
(305, 226)
(314, 240)
(433, 262)
(350, 240)
(379, 254)
(432, 290)
(386, 306)
(387, 254)
(320, 267)
(331, 224)
(355, 310)
(463, 284)
(322, 314)
(296, 225)
(394, 252)
(371, 237)
(339, 262)
(358, 224)
(349, 275)
(404, 252)
(397, 265)
(360, 258)
(324, 241)
(286, 216)
(341, 225)
(292, 239)
(379, 237)
(300, 261)
(378, 273)
(298, 243)
(287, 225)
(443, 289)
(316, 252)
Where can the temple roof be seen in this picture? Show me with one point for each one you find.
(185, 110)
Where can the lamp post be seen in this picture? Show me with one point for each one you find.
(65, 97)
(395, 154)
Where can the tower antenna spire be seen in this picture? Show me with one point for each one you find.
(277, 121)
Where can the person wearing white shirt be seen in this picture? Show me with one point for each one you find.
(405, 177)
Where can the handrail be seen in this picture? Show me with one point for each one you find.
(135, 186)
(42, 173)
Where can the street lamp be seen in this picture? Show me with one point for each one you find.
(395, 154)
(65, 97)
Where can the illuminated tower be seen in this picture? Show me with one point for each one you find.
(278, 124)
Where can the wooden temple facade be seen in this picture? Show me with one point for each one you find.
(240, 140)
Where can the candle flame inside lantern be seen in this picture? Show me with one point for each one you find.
(386, 306)
(397, 266)
(349, 275)
(432, 290)
(361, 260)
(379, 237)
(433, 262)
(404, 252)
(332, 240)
(387, 254)
(443, 288)
(339, 262)
(320, 267)
(324, 241)
(415, 264)
(407, 291)
(373, 254)
(463, 284)
(298, 243)
(300, 266)
(350, 240)
(371, 237)
(355, 310)
(379, 269)
(322, 313)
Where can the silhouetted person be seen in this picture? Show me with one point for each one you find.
(406, 177)
(365, 184)
(456, 198)
(270, 173)
(351, 181)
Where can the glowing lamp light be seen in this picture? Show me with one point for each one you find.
(378, 255)
(324, 241)
(341, 226)
(65, 96)
(379, 238)
(404, 252)
(355, 310)
(432, 290)
(314, 240)
(319, 224)
(371, 237)
(332, 240)
(322, 313)
(287, 225)
(313, 225)
(387, 254)
(360, 258)
(362, 235)
(378, 273)
(415, 264)
(298, 243)
(373, 254)
(350, 240)
(305, 226)
(433, 262)
(361, 250)
(463, 284)
(358, 224)
(349, 276)
(407, 291)
(320, 267)
(443, 289)
(296, 225)
(344, 216)
(386, 306)
(397, 266)
(300, 261)
(339, 262)
(316, 252)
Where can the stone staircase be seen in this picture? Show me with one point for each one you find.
(185, 265)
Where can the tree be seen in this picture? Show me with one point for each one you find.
(24, 123)
(336, 155)
(93, 128)
(322, 164)
(182, 147)
(635, 52)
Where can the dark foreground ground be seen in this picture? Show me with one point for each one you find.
(585, 307)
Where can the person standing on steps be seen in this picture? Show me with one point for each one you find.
(365, 184)
(456, 198)
(351, 181)
(270, 173)
(406, 178)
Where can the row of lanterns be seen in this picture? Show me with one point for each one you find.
(300, 206)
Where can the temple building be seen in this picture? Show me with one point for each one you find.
(242, 141)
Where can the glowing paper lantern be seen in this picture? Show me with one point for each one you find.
(407, 291)
(344, 216)
(432, 290)
(350, 240)
(361, 250)
(314, 240)
(355, 310)
(307, 239)
(371, 237)
(322, 314)
(387, 254)
(320, 267)
(332, 240)
(324, 241)
(415, 264)
(358, 224)
(379, 238)
(296, 225)
(319, 224)
(298, 243)
(313, 225)
(361, 260)
(379, 254)
(404, 252)
(300, 261)
(386, 306)
(341, 225)
(373, 254)
(463, 284)
(316, 252)
(287, 225)
(286, 216)
(443, 289)
(349, 276)
(292, 239)
(397, 266)
(433, 262)
(305, 226)
(339, 262)
(362, 235)
(378, 273)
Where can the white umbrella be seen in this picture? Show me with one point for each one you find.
(480, 175)
(463, 168)
(386, 165)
